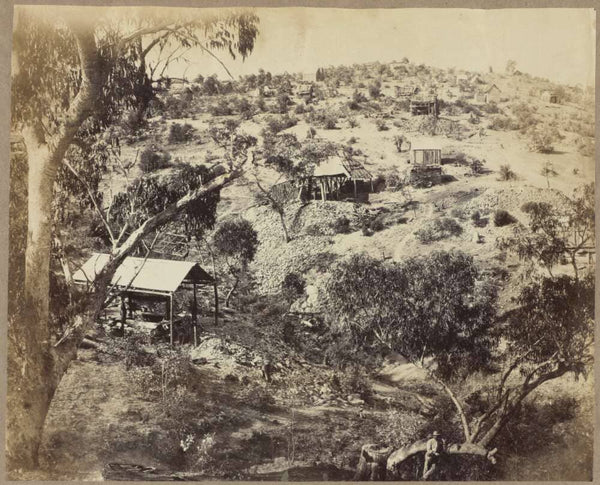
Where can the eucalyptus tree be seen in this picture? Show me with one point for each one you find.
(76, 72)
(439, 312)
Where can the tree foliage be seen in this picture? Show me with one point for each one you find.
(551, 234)
(403, 308)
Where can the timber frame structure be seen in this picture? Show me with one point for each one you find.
(155, 278)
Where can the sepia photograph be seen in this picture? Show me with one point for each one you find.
(300, 244)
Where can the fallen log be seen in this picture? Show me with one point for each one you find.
(402, 454)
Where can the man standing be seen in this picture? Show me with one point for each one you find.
(432, 453)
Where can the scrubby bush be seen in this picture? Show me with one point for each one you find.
(180, 133)
(506, 173)
(501, 123)
(275, 124)
(381, 125)
(542, 139)
(244, 108)
(477, 166)
(375, 89)
(292, 287)
(352, 122)
(477, 220)
(439, 229)
(153, 159)
(341, 225)
(221, 108)
(503, 218)
(352, 140)
(525, 115)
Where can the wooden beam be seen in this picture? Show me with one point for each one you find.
(171, 319)
(195, 318)
(355, 190)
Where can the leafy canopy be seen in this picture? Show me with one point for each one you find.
(436, 307)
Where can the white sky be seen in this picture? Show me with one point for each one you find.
(558, 44)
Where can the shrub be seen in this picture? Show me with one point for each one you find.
(478, 220)
(506, 173)
(221, 108)
(300, 109)
(341, 225)
(503, 218)
(244, 108)
(275, 124)
(503, 123)
(375, 89)
(542, 139)
(477, 166)
(358, 97)
(439, 229)
(352, 140)
(180, 133)
(352, 122)
(153, 159)
(292, 287)
(381, 125)
(329, 123)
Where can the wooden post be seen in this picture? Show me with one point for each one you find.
(323, 195)
(171, 319)
(195, 318)
(216, 292)
(355, 190)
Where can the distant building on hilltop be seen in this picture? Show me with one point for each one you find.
(550, 97)
(489, 94)
(424, 105)
(406, 91)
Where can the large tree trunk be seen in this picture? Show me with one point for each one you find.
(32, 357)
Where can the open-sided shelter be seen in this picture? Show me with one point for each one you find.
(159, 279)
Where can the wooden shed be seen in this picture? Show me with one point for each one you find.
(425, 153)
(426, 158)
(550, 97)
(149, 278)
(489, 94)
(423, 105)
(340, 177)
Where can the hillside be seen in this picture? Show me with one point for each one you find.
(208, 412)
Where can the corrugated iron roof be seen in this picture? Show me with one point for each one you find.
(352, 169)
(425, 144)
(160, 275)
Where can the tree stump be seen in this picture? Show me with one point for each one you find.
(372, 464)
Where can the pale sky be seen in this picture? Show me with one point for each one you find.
(558, 44)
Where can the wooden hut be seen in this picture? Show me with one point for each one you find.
(488, 94)
(426, 158)
(550, 97)
(339, 178)
(156, 279)
(424, 105)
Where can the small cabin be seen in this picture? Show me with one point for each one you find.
(426, 158)
(425, 154)
(489, 94)
(550, 97)
(424, 106)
